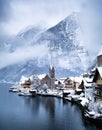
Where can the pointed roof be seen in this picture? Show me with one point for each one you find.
(51, 67)
(100, 71)
(97, 72)
(81, 86)
(47, 77)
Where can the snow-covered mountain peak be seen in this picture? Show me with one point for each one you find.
(34, 29)
(59, 45)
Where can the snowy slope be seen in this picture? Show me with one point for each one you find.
(63, 44)
(60, 48)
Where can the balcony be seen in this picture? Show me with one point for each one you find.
(98, 87)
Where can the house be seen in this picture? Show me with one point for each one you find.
(59, 84)
(32, 81)
(98, 79)
(89, 86)
(98, 87)
(79, 87)
(73, 83)
(49, 80)
(26, 83)
(68, 83)
(96, 84)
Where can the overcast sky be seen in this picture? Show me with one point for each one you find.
(15, 15)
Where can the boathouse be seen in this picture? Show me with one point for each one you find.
(26, 83)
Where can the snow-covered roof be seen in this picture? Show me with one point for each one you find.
(23, 79)
(93, 69)
(33, 77)
(78, 90)
(62, 80)
(89, 80)
(88, 84)
(41, 76)
(68, 90)
(100, 71)
(56, 82)
(77, 79)
(99, 54)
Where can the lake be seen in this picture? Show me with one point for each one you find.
(39, 113)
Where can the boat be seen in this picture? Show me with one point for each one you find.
(24, 94)
(69, 98)
(13, 89)
(92, 116)
(33, 92)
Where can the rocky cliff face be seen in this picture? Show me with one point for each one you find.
(61, 46)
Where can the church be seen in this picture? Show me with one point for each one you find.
(49, 79)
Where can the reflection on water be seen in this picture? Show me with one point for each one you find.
(39, 113)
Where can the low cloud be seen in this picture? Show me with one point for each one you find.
(23, 54)
(90, 22)
(17, 14)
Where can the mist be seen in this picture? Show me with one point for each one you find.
(23, 54)
(15, 15)
(90, 22)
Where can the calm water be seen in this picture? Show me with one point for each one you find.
(39, 113)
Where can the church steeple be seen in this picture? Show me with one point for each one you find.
(52, 76)
(52, 72)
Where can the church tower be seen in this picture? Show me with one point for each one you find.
(52, 72)
(52, 76)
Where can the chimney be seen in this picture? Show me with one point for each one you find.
(99, 60)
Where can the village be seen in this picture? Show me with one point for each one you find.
(86, 90)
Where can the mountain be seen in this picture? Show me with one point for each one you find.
(66, 50)
(56, 46)
(26, 37)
